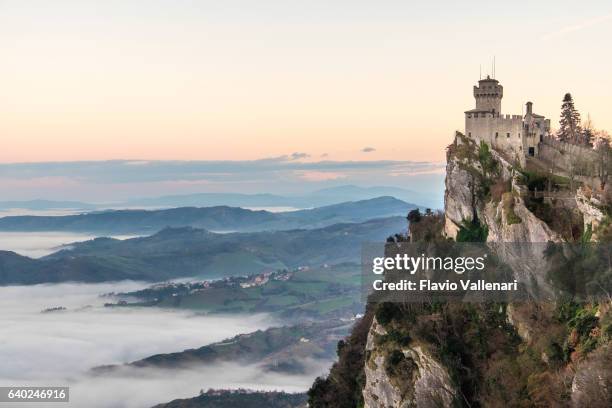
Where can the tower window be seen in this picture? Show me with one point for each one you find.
(496, 134)
(507, 134)
(470, 134)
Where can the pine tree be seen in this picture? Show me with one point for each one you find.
(569, 129)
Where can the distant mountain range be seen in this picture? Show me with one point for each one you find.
(218, 218)
(185, 252)
(328, 196)
(318, 198)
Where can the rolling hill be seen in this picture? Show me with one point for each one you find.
(218, 218)
(186, 252)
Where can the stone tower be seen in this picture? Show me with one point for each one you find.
(489, 94)
(516, 136)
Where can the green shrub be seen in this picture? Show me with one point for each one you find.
(472, 231)
(588, 345)
(386, 312)
(398, 337)
(394, 358)
(565, 310)
(400, 369)
(584, 321)
(587, 234)
(508, 203)
(555, 354)
(488, 163)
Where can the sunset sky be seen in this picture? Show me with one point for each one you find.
(240, 79)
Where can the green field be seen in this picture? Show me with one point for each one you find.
(310, 292)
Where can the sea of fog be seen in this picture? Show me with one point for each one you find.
(9, 212)
(59, 348)
(39, 244)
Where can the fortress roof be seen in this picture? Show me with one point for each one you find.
(478, 111)
(488, 79)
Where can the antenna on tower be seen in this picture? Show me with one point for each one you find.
(480, 71)
(494, 67)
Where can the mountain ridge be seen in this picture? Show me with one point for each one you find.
(217, 218)
(316, 198)
(187, 251)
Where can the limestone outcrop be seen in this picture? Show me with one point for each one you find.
(428, 384)
(589, 207)
(483, 185)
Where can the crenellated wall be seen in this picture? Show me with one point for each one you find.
(514, 136)
(502, 132)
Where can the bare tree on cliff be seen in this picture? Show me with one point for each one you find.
(602, 147)
(569, 124)
(588, 132)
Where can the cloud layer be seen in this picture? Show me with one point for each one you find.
(41, 243)
(59, 348)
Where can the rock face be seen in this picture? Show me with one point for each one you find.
(433, 387)
(458, 199)
(592, 383)
(424, 381)
(430, 384)
(507, 220)
(529, 229)
(592, 215)
(460, 204)
(378, 390)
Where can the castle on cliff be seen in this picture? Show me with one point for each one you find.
(516, 136)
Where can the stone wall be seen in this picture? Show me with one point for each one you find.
(563, 154)
(501, 132)
(565, 158)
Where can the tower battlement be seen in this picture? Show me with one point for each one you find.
(488, 95)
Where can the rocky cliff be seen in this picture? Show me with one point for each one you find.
(423, 381)
(468, 194)
(488, 355)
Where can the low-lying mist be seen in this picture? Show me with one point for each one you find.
(139, 388)
(60, 347)
(39, 244)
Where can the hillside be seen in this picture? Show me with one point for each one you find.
(301, 294)
(239, 398)
(218, 218)
(184, 252)
(288, 349)
(547, 352)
